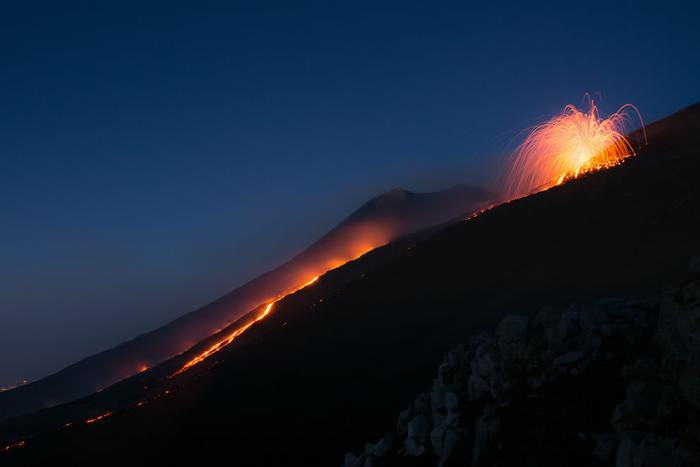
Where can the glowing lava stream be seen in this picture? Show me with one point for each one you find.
(98, 418)
(232, 336)
(15, 445)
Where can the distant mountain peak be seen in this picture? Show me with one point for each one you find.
(396, 192)
(395, 195)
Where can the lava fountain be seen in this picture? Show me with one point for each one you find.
(571, 144)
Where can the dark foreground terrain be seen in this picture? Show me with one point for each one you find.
(334, 364)
(610, 383)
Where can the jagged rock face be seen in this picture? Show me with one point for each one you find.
(680, 315)
(512, 337)
(658, 420)
(524, 372)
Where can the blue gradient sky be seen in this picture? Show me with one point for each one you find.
(156, 154)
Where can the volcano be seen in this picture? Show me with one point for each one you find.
(380, 220)
(334, 362)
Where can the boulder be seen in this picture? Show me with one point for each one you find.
(451, 402)
(486, 375)
(436, 439)
(418, 432)
(649, 451)
(414, 447)
(485, 434)
(512, 337)
(450, 441)
(422, 403)
(563, 336)
(419, 427)
(478, 387)
(437, 396)
(405, 416)
(678, 330)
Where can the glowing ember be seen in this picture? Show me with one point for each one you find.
(10, 447)
(98, 418)
(476, 214)
(569, 145)
(233, 335)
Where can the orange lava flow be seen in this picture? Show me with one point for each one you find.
(9, 388)
(571, 144)
(98, 418)
(10, 447)
(233, 335)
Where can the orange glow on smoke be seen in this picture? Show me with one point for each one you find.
(574, 143)
(357, 252)
(238, 331)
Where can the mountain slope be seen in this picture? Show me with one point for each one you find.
(335, 361)
(382, 219)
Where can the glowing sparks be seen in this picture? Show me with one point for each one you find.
(233, 335)
(569, 145)
(98, 418)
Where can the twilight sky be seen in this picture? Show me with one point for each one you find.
(154, 155)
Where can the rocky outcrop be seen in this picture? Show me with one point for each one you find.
(659, 419)
(615, 383)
